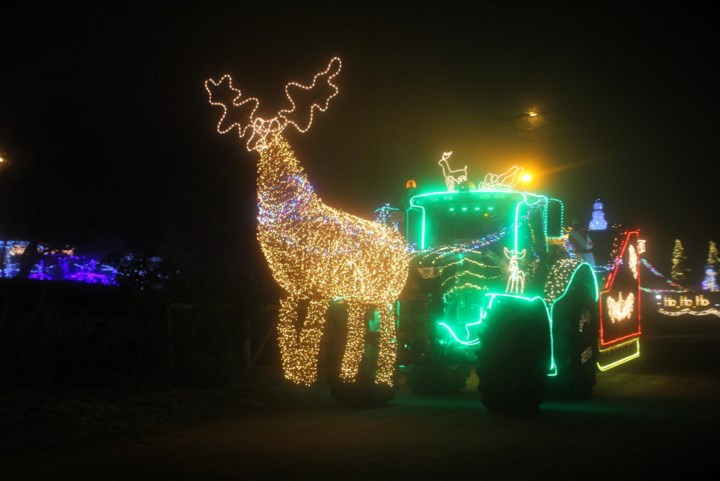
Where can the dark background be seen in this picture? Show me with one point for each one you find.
(110, 143)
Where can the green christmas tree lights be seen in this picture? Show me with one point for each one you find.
(679, 270)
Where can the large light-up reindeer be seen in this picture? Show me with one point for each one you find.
(316, 253)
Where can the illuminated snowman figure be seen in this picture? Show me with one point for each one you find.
(709, 283)
(598, 221)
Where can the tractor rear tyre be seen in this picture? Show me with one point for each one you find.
(575, 327)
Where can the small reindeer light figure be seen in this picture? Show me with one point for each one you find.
(516, 277)
(450, 175)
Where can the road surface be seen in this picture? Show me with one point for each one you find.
(655, 417)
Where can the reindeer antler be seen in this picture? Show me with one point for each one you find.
(236, 108)
(321, 83)
(242, 111)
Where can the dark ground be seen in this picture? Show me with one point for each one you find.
(655, 416)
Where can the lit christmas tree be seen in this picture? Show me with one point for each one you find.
(598, 221)
(679, 269)
(710, 283)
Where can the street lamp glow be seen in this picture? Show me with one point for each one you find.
(531, 118)
(526, 177)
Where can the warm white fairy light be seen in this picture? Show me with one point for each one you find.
(260, 130)
(559, 278)
(507, 180)
(641, 246)
(633, 261)
(472, 276)
(324, 79)
(516, 277)
(317, 253)
(250, 103)
(17, 249)
(299, 351)
(450, 175)
(465, 287)
(433, 263)
(621, 308)
(707, 312)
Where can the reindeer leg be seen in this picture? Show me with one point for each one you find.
(355, 344)
(299, 351)
(388, 351)
(287, 339)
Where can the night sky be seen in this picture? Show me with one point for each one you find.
(109, 139)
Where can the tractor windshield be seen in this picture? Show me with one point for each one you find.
(462, 218)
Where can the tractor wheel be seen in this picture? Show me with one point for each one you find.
(437, 378)
(513, 359)
(575, 334)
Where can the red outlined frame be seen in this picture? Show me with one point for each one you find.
(607, 290)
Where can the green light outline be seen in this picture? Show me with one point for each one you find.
(545, 217)
(514, 224)
(407, 224)
(474, 342)
(552, 307)
(529, 200)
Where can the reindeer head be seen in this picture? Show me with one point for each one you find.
(241, 113)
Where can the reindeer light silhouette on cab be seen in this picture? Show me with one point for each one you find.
(451, 180)
(316, 253)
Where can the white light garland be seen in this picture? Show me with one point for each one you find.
(516, 277)
(450, 179)
(641, 244)
(261, 130)
(507, 180)
(633, 261)
(559, 278)
(707, 312)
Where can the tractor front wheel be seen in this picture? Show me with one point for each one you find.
(514, 357)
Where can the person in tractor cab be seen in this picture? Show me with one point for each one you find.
(581, 242)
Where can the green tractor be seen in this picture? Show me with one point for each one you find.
(496, 288)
